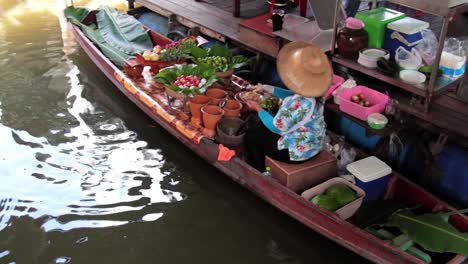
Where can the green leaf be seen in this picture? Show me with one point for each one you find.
(218, 50)
(238, 61)
(169, 75)
(115, 55)
(122, 32)
(198, 52)
(166, 76)
(76, 15)
(431, 231)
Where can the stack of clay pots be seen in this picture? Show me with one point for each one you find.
(208, 109)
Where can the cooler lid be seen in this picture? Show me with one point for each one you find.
(408, 25)
(369, 169)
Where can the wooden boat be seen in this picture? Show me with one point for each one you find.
(324, 222)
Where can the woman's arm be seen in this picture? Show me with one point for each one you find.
(281, 92)
(277, 91)
(264, 116)
(267, 120)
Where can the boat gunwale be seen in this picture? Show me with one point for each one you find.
(323, 222)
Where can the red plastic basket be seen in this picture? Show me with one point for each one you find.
(377, 101)
(336, 82)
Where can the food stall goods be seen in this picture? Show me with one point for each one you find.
(352, 38)
(405, 32)
(376, 21)
(372, 175)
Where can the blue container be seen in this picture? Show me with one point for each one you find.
(453, 163)
(371, 175)
(405, 32)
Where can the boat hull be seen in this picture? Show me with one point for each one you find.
(321, 221)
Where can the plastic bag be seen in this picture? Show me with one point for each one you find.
(347, 155)
(408, 60)
(453, 59)
(427, 46)
(350, 83)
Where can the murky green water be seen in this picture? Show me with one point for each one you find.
(85, 177)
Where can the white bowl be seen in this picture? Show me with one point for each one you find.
(369, 57)
(412, 77)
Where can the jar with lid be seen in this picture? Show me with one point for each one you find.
(352, 38)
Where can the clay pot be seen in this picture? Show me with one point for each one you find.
(211, 115)
(228, 134)
(217, 95)
(232, 108)
(196, 103)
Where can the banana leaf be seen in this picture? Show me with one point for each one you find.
(122, 32)
(115, 55)
(431, 231)
(76, 14)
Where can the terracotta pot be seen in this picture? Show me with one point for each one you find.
(232, 108)
(195, 104)
(217, 95)
(211, 115)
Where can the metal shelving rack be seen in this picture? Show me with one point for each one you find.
(435, 86)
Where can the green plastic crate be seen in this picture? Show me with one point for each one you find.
(376, 21)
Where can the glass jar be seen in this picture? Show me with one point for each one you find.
(352, 38)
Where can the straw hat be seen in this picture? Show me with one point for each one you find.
(304, 69)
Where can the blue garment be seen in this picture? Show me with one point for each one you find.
(266, 117)
(302, 139)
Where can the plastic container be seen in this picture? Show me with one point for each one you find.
(405, 32)
(377, 101)
(372, 175)
(377, 121)
(352, 38)
(369, 57)
(346, 211)
(336, 82)
(412, 77)
(376, 21)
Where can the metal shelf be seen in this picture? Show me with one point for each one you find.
(438, 8)
(440, 86)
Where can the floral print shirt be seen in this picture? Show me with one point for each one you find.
(303, 138)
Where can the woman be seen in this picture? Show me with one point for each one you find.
(295, 133)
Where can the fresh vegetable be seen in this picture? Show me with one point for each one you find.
(187, 79)
(270, 104)
(342, 194)
(172, 51)
(360, 99)
(218, 57)
(216, 62)
(387, 67)
(325, 201)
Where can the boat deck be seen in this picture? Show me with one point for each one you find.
(215, 19)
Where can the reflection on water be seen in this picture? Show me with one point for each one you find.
(87, 178)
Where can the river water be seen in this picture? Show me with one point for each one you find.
(86, 177)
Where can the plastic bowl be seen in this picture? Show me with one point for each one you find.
(345, 211)
(369, 57)
(412, 77)
(377, 121)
